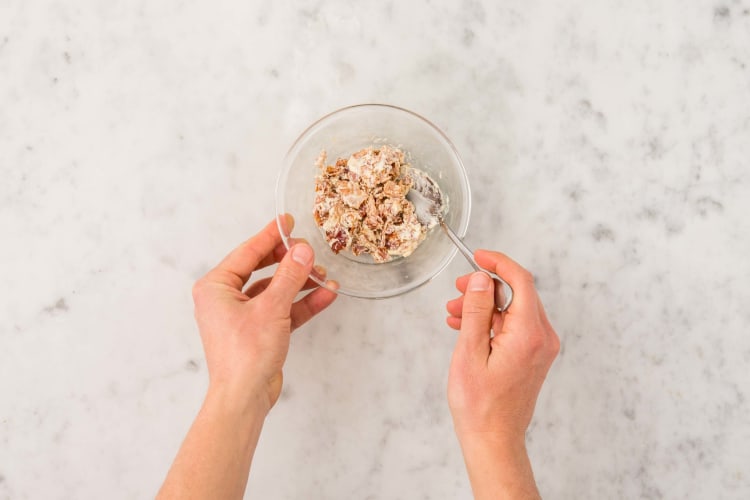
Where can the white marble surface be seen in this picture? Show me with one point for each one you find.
(608, 145)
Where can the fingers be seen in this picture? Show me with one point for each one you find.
(522, 282)
(455, 306)
(290, 276)
(454, 309)
(453, 322)
(461, 282)
(236, 267)
(312, 303)
(278, 253)
(259, 286)
(476, 316)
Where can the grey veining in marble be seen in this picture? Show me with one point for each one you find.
(608, 147)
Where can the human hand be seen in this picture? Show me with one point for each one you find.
(494, 381)
(246, 339)
(246, 334)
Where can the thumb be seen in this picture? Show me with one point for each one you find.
(290, 276)
(476, 315)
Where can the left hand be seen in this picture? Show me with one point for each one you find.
(246, 334)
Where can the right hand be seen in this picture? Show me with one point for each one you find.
(494, 381)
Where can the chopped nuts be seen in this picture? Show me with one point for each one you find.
(361, 205)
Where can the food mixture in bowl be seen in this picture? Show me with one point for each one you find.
(361, 205)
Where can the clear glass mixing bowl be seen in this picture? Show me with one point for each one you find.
(342, 133)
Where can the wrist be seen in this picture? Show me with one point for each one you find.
(496, 446)
(498, 466)
(239, 402)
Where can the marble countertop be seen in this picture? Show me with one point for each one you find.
(608, 147)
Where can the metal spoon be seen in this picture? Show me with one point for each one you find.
(428, 203)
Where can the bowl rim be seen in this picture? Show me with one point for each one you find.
(461, 232)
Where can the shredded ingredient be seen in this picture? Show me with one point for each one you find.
(361, 205)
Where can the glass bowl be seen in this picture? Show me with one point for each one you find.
(342, 133)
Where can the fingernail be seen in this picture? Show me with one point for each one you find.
(302, 254)
(320, 270)
(286, 223)
(479, 282)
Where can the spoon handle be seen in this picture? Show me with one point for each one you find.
(503, 291)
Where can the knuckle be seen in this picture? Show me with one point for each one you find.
(535, 341)
(475, 309)
(279, 295)
(270, 304)
(286, 276)
(198, 289)
(263, 302)
(526, 277)
(554, 344)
